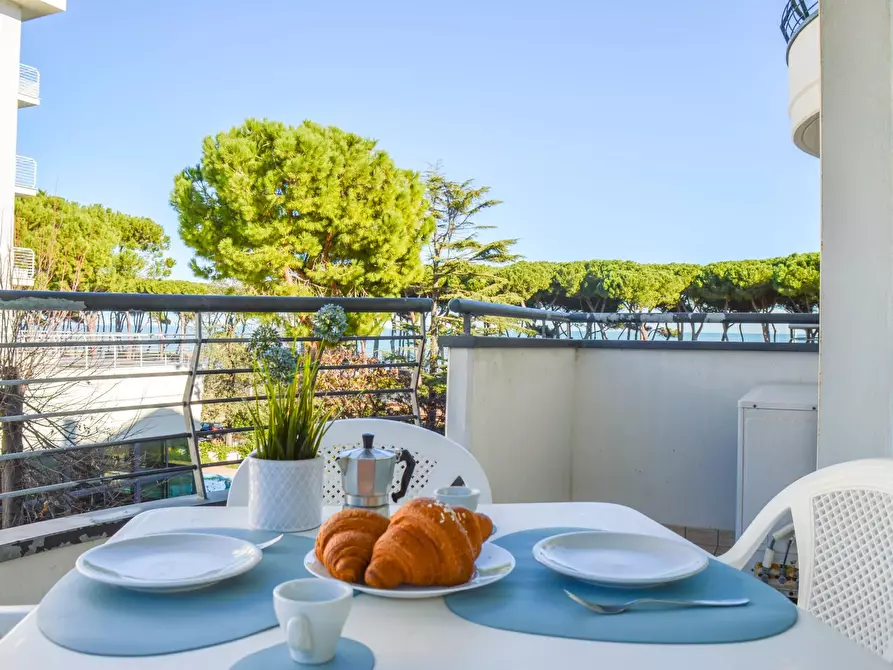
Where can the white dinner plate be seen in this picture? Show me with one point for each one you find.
(493, 564)
(619, 559)
(169, 562)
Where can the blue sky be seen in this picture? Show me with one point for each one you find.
(653, 131)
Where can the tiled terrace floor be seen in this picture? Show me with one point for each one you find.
(712, 540)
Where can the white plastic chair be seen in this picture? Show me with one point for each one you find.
(11, 615)
(439, 461)
(843, 523)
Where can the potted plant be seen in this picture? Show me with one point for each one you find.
(285, 472)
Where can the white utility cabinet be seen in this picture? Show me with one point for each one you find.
(777, 441)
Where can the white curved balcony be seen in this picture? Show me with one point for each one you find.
(26, 176)
(29, 86)
(800, 27)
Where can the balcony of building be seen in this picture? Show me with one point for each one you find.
(34, 9)
(555, 406)
(637, 410)
(23, 267)
(800, 28)
(25, 176)
(29, 86)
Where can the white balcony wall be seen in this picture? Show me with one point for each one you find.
(856, 400)
(652, 429)
(804, 84)
(514, 409)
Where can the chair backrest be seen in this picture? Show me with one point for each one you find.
(843, 524)
(439, 461)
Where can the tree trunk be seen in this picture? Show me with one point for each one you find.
(11, 404)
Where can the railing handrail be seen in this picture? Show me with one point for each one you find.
(152, 302)
(62, 338)
(796, 14)
(463, 307)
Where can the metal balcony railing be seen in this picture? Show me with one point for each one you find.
(26, 173)
(111, 399)
(29, 81)
(23, 266)
(796, 14)
(654, 329)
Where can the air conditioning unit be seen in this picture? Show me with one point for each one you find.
(777, 441)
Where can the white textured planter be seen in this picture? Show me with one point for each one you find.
(285, 496)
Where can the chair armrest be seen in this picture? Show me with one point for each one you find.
(756, 533)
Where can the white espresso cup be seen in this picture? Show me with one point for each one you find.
(458, 496)
(312, 612)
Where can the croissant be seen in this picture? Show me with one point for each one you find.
(344, 543)
(426, 544)
(478, 526)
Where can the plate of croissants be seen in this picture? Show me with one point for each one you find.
(426, 549)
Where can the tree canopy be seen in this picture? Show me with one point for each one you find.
(90, 247)
(796, 279)
(457, 262)
(309, 210)
(790, 283)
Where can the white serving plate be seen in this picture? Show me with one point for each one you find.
(621, 560)
(493, 564)
(169, 562)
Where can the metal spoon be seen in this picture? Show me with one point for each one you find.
(617, 609)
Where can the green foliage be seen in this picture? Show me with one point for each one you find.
(306, 210)
(740, 286)
(172, 286)
(359, 405)
(217, 449)
(458, 262)
(528, 283)
(292, 423)
(796, 278)
(89, 247)
(288, 424)
(616, 285)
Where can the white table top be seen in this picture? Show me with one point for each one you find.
(412, 634)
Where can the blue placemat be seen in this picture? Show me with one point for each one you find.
(532, 600)
(349, 655)
(95, 618)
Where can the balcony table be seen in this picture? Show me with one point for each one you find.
(408, 635)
